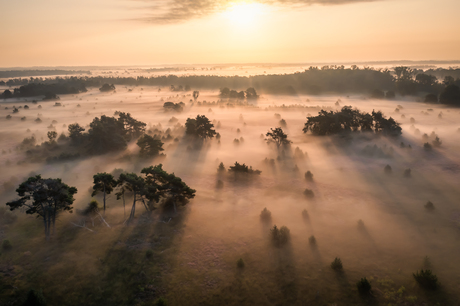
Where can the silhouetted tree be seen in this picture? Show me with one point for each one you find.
(196, 94)
(107, 87)
(75, 133)
(450, 95)
(103, 182)
(44, 197)
(150, 146)
(278, 137)
(200, 127)
(52, 135)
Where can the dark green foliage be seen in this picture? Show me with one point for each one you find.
(431, 98)
(148, 254)
(364, 287)
(6, 245)
(35, 298)
(278, 137)
(106, 87)
(426, 279)
(429, 206)
(348, 120)
(92, 209)
(265, 215)
(240, 263)
(387, 169)
(450, 95)
(44, 197)
(150, 146)
(106, 134)
(103, 182)
(309, 193)
(243, 169)
(174, 107)
(312, 241)
(200, 127)
(75, 133)
(280, 236)
(309, 176)
(337, 264)
(161, 302)
(132, 128)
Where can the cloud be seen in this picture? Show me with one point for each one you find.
(174, 11)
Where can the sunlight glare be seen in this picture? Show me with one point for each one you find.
(244, 13)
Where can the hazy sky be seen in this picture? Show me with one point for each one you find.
(137, 32)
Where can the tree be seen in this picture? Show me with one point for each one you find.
(278, 137)
(251, 93)
(450, 95)
(132, 128)
(75, 133)
(107, 87)
(103, 182)
(176, 107)
(52, 135)
(200, 127)
(150, 146)
(196, 94)
(44, 197)
(106, 134)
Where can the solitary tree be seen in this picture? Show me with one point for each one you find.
(103, 182)
(278, 137)
(52, 135)
(200, 127)
(44, 197)
(196, 94)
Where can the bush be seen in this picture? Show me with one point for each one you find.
(426, 279)
(429, 206)
(312, 240)
(240, 263)
(34, 298)
(309, 176)
(437, 142)
(337, 264)
(221, 168)
(265, 215)
(280, 236)
(427, 146)
(364, 287)
(309, 193)
(6, 245)
(407, 173)
(149, 254)
(387, 169)
(305, 215)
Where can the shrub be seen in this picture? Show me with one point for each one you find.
(221, 168)
(387, 169)
(149, 254)
(427, 146)
(407, 173)
(280, 236)
(305, 215)
(240, 263)
(312, 240)
(429, 206)
(426, 279)
(337, 264)
(309, 176)
(6, 245)
(309, 193)
(437, 142)
(265, 215)
(35, 298)
(364, 287)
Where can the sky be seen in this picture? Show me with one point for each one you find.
(161, 32)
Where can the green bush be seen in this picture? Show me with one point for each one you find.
(337, 264)
(364, 287)
(280, 236)
(240, 263)
(426, 279)
(6, 245)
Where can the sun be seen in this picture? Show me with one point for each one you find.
(244, 13)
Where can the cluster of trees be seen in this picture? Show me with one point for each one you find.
(47, 198)
(348, 120)
(107, 87)
(29, 73)
(47, 90)
(174, 107)
(250, 94)
(200, 127)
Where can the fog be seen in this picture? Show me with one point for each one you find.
(196, 250)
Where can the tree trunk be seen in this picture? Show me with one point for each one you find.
(104, 199)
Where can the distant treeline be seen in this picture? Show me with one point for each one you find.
(328, 79)
(30, 73)
(50, 91)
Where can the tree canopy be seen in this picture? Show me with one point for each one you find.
(150, 145)
(278, 137)
(200, 127)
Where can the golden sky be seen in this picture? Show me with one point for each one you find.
(154, 32)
